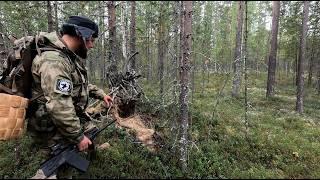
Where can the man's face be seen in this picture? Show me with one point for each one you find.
(84, 46)
(90, 42)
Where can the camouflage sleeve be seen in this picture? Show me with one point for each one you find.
(96, 92)
(57, 87)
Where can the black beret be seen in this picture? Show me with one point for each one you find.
(83, 25)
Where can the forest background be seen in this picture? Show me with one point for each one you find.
(232, 87)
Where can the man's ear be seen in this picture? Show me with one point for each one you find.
(80, 41)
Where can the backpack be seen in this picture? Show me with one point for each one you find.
(15, 84)
(16, 77)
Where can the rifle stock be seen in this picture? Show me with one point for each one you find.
(69, 154)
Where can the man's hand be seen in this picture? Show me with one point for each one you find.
(108, 100)
(84, 144)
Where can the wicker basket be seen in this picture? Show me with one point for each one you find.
(12, 116)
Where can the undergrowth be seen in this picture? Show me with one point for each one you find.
(276, 143)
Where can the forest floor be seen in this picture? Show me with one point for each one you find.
(274, 141)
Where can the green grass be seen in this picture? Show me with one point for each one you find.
(276, 143)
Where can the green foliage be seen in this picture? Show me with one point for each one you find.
(276, 142)
(22, 17)
(18, 159)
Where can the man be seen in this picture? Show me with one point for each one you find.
(60, 78)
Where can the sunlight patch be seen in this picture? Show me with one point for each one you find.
(254, 113)
(260, 90)
(290, 98)
(309, 121)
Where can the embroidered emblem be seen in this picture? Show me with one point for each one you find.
(64, 86)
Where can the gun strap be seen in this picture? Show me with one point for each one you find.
(36, 97)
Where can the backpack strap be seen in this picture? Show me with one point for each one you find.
(37, 47)
(49, 49)
(36, 97)
(5, 89)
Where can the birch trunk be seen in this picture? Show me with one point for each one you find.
(112, 37)
(133, 34)
(123, 29)
(237, 54)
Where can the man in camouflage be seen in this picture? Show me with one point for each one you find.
(60, 77)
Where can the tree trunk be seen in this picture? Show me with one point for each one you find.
(133, 34)
(318, 77)
(103, 66)
(112, 37)
(127, 29)
(161, 48)
(286, 68)
(245, 55)
(184, 82)
(123, 30)
(237, 54)
(193, 70)
(279, 62)
(176, 49)
(204, 61)
(273, 49)
(49, 16)
(181, 32)
(295, 67)
(302, 49)
(56, 16)
(2, 49)
(268, 49)
(311, 61)
(148, 56)
(297, 62)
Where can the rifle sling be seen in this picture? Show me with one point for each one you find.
(36, 97)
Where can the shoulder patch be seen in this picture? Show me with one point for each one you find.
(63, 86)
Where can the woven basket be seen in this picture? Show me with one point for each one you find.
(12, 116)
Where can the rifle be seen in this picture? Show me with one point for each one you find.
(69, 154)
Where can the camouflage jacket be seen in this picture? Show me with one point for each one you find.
(63, 81)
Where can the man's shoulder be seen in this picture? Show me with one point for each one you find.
(51, 58)
(52, 55)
